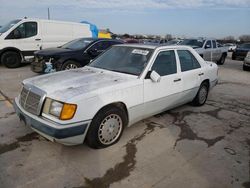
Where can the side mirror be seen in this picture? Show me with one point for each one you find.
(207, 46)
(155, 77)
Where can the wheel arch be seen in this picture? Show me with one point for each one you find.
(117, 104)
(207, 81)
(13, 49)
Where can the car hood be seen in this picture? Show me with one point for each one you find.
(53, 51)
(65, 85)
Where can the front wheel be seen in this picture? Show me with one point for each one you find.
(11, 59)
(201, 96)
(106, 128)
(70, 65)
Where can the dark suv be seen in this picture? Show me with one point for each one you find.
(74, 54)
(241, 51)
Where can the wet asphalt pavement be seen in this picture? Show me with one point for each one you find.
(190, 147)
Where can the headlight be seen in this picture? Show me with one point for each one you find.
(55, 108)
(61, 110)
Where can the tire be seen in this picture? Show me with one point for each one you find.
(222, 59)
(201, 96)
(106, 128)
(245, 68)
(11, 59)
(233, 57)
(70, 64)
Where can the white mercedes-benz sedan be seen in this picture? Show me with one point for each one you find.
(124, 85)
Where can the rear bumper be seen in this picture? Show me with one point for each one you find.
(72, 134)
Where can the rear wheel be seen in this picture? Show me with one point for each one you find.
(11, 59)
(202, 94)
(222, 59)
(106, 128)
(70, 65)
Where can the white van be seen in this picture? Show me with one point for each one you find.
(20, 38)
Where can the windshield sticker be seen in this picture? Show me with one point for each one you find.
(141, 52)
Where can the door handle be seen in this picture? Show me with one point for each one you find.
(37, 39)
(177, 80)
(201, 74)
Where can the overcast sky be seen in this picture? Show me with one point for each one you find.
(191, 18)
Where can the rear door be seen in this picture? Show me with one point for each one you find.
(191, 75)
(163, 95)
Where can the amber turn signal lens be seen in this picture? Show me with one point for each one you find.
(68, 111)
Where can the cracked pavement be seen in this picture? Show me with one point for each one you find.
(206, 146)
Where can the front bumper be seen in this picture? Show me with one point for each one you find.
(70, 134)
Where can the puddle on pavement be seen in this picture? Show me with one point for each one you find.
(12, 146)
(122, 169)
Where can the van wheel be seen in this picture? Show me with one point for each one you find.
(11, 59)
(70, 65)
(201, 96)
(222, 60)
(106, 128)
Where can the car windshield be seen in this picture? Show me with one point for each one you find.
(77, 44)
(124, 59)
(172, 42)
(193, 42)
(9, 25)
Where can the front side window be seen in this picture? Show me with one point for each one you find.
(124, 59)
(187, 60)
(208, 44)
(165, 63)
(25, 30)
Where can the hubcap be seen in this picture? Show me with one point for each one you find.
(203, 94)
(110, 129)
(71, 66)
(11, 59)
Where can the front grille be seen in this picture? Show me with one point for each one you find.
(30, 101)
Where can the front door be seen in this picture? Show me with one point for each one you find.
(207, 55)
(162, 95)
(27, 38)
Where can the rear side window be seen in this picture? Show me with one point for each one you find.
(187, 60)
(101, 45)
(214, 44)
(25, 30)
(165, 63)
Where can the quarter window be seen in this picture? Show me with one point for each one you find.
(165, 63)
(25, 30)
(187, 60)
